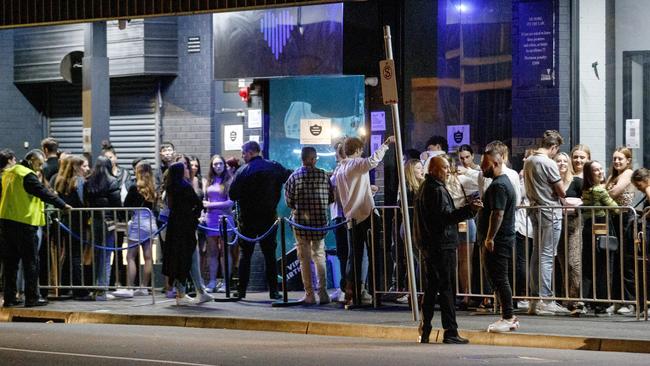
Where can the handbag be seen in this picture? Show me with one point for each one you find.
(606, 239)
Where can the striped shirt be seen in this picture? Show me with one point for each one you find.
(308, 193)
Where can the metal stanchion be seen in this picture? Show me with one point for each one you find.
(223, 230)
(285, 296)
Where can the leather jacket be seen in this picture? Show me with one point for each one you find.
(436, 218)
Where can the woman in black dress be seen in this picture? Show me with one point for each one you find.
(184, 211)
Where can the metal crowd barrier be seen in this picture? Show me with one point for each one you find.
(83, 247)
(643, 242)
(622, 287)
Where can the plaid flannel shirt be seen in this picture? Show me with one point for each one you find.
(308, 193)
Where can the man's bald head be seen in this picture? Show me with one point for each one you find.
(439, 168)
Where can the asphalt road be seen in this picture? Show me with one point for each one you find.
(98, 345)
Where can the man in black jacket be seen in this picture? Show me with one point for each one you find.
(436, 235)
(256, 188)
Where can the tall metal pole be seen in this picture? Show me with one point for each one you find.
(402, 185)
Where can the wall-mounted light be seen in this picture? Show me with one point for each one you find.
(463, 8)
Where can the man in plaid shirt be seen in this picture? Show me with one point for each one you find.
(308, 193)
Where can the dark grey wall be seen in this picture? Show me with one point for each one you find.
(19, 121)
(188, 98)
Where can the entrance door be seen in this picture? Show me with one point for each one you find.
(636, 99)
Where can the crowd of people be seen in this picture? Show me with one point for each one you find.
(465, 223)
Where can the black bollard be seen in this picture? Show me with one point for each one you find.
(285, 295)
(223, 230)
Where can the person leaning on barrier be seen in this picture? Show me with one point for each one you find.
(21, 213)
(308, 192)
(355, 191)
(436, 236)
(544, 188)
(600, 270)
(497, 231)
(256, 188)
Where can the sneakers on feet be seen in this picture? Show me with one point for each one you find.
(104, 297)
(221, 288)
(204, 297)
(184, 300)
(171, 294)
(366, 299)
(337, 296)
(308, 299)
(123, 293)
(523, 304)
(504, 325)
(141, 292)
(323, 297)
(626, 310)
(557, 308)
(402, 299)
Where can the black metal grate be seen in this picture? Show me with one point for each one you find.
(20, 13)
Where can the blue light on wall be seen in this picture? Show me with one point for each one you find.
(277, 28)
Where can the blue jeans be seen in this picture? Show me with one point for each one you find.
(102, 265)
(547, 226)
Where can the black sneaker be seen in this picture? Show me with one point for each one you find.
(455, 340)
(12, 303)
(425, 332)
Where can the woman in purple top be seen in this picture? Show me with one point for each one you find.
(217, 204)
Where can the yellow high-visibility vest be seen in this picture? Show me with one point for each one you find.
(16, 204)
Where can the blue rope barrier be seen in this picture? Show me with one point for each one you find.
(259, 238)
(316, 229)
(207, 228)
(76, 236)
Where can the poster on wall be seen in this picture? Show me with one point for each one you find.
(316, 131)
(233, 137)
(457, 135)
(632, 133)
(535, 56)
(254, 118)
(375, 143)
(378, 121)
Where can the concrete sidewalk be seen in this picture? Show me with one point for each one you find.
(390, 321)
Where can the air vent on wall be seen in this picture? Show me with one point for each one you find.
(193, 44)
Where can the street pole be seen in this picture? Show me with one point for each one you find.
(402, 188)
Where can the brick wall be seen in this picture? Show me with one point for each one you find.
(19, 121)
(188, 98)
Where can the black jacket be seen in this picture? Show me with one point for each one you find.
(256, 187)
(436, 218)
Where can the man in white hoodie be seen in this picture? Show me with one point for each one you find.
(353, 185)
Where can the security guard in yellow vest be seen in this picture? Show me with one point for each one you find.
(21, 213)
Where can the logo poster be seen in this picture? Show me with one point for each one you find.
(233, 137)
(316, 131)
(457, 135)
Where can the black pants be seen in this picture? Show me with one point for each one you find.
(626, 249)
(497, 267)
(341, 236)
(359, 236)
(20, 243)
(522, 262)
(439, 274)
(268, 246)
(601, 266)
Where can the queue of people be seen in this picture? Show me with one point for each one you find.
(465, 221)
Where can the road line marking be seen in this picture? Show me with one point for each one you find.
(106, 357)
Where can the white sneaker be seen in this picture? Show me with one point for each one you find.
(558, 309)
(337, 295)
(402, 299)
(523, 304)
(366, 299)
(141, 292)
(123, 293)
(204, 297)
(543, 308)
(626, 310)
(221, 288)
(611, 309)
(184, 300)
(504, 325)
